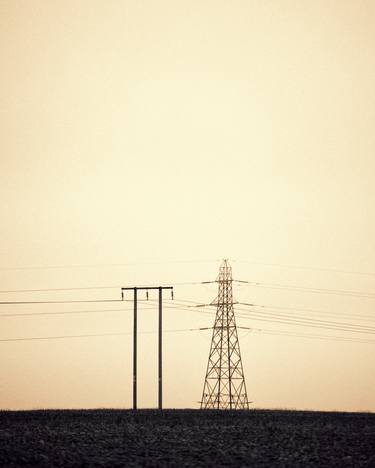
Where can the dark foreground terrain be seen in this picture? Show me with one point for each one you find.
(186, 438)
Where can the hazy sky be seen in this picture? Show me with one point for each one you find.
(143, 133)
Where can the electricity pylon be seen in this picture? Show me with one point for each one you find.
(224, 386)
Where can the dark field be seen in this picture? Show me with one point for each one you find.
(186, 438)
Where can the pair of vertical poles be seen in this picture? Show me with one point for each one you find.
(160, 339)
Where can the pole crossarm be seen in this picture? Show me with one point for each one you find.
(146, 288)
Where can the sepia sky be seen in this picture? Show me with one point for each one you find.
(144, 141)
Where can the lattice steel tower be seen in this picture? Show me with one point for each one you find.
(224, 386)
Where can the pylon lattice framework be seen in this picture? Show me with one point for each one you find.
(224, 386)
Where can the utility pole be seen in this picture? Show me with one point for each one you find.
(224, 386)
(160, 339)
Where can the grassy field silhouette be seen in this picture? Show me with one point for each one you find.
(75, 438)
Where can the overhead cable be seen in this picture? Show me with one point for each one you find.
(100, 334)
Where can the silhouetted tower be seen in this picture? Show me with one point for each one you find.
(224, 386)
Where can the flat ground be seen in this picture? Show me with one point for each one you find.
(186, 438)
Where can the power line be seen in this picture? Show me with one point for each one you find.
(185, 304)
(75, 301)
(149, 307)
(368, 318)
(262, 331)
(101, 265)
(290, 333)
(261, 318)
(300, 267)
(115, 265)
(247, 317)
(33, 338)
(63, 337)
(341, 292)
(31, 314)
(310, 336)
(256, 315)
(281, 318)
(310, 320)
(193, 304)
(87, 288)
(177, 306)
(60, 302)
(59, 289)
(207, 312)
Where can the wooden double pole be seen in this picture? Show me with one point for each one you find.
(160, 339)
